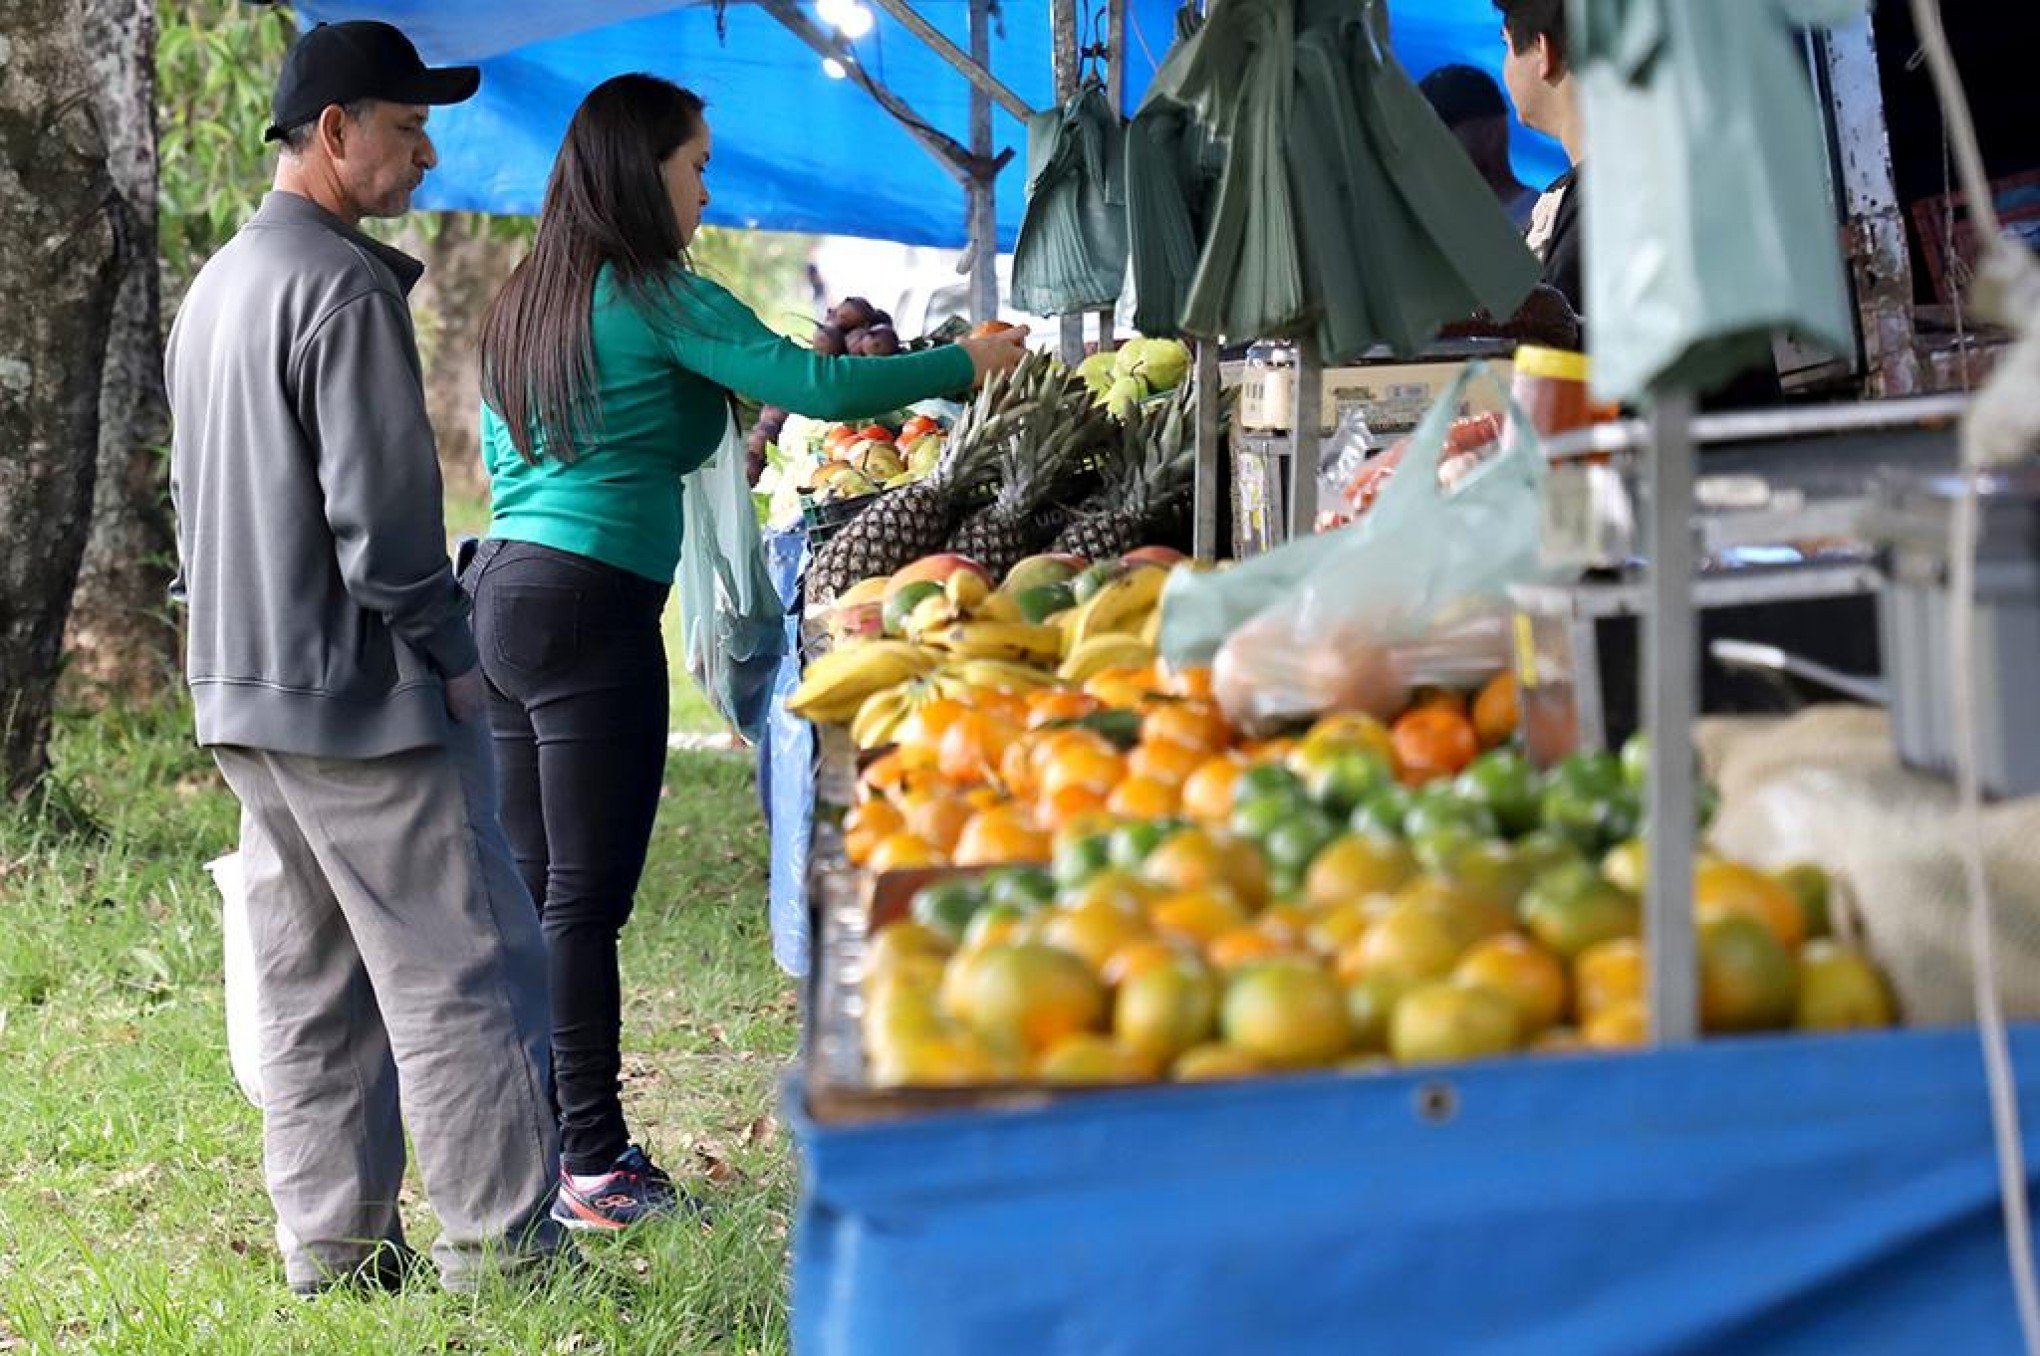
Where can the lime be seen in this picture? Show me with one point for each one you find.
(1296, 841)
(1503, 783)
(1026, 888)
(1347, 778)
(1044, 601)
(947, 906)
(1574, 907)
(1582, 815)
(1541, 850)
(1131, 843)
(1435, 810)
(1269, 779)
(1636, 760)
(1078, 859)
(904, 601)
(1258, 816)
(1438, 847)
(1382, 813)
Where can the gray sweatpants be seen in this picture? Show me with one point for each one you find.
(398, 959)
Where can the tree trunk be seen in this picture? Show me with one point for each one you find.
(465, 266)
(122, 641)
(66, 234)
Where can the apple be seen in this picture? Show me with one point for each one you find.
(1097, 577)
(864, 621)
(1168, 557)
(935, 569)
(1041, 570)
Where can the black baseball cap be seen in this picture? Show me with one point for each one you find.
(360, 59)
(1463, 93)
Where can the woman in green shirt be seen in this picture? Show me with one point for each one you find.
(608, 368)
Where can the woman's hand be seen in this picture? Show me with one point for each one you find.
(994, 353)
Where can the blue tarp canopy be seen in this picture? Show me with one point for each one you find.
(796, 150)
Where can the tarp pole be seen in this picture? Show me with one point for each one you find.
(1204, 523)
(1671, 677)
(976, 68)
(1304, 436)
(1063, 35)
(982, 191)
(1115, 95)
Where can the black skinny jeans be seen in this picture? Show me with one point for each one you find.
(576, 672)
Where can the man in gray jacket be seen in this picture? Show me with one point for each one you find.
(334, 678)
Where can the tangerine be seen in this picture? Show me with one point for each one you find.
(1432, 742)
(1083, 765)
(1198, 916)
(1354, 866)
(1194, 725)
(1034, 993)
(926, 726)
(1208, 790)
(1069, 804)
(1496, 711)
(1192, 680)
(1046, 706)
(974, 744)
(1091, 1058)
(1142, 798)
(1607, 975)
(1730, 889)
(1190, 860)
(1165, 1010)
(903, 851)
(1521, 971)
(1243, 946)
(1093, 932)
(1165, 762)
(1214, 1063)
(1622, 1026)
(1286, 1013)
(936, 819)
(1139, 956)
(1001, 835)
(1446, 1023)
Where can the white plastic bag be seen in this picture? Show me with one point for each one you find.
(731, 619)
(244, 1048)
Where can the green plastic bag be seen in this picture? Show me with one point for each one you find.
(1421, 581)
(732, 624)
(1707, 203)
(1071, 255)
(1172, 171)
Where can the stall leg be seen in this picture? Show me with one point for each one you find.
(1204, 527)
(1305, 411)
(1670, 701)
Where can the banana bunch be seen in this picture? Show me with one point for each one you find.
(1122, 607)
(1113, 650)
(881, 714)
(1014, 641)
(836, 685)
(964, 678)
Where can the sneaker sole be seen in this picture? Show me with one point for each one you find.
(572, 1215)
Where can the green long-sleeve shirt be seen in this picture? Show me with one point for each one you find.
(661, 386)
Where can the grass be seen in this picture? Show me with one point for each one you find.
(132, 1217)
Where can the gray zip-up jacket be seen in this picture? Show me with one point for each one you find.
(310, 522)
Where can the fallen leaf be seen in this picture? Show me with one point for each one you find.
(761, 1131)
(710, 1163)
(573, 1341)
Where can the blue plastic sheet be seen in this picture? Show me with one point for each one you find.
(795, 150)
(1786, 1195)
(786, 768)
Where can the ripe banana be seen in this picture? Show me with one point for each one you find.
(1001, 675)
(1000, 640)
(999, 607)
(1120, 606)
(930, 615)
(1109, 651)
(966, 589)
(1151, 629)
(863, 591)
(837, 683)
(880, 716)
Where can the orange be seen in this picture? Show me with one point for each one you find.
(1841, 990)
(898, 771)
(1352, 730)
(1190, 860)
(1112, 888)
(1749, 981)
(1354, 866)
(1035, 994)
(900, 851)
(866, 825)
(1142, 798)
(1196, 725)
(1447, 1023)
(1050, 704)
(1447, 698)
(1208, 791)
(926, 726)
(1001, 835)
(973, 745)
(1521, 971)
(1433, 742)
(1016, 768)
(985, 798)
(1067, 805)
(1246, 870)
(936, 819)
(1055, 744)
(946, 1059)
(1214, 1063)
(1192, 680)
(1095, 932)
(1624, 1026)
(1268, 750)
(1287, 1013)
(1242, 946)
(1410, 944)
(898, 941)
(1165, 1010)
(1607, 975)
(1164, 762)
(1089, 1058)
(1337, 928)
(1120, 689)
(1496, 712)
(1082, 765)
(1198, 916)
(1730, 889)
(1288, 924)
(1139, 956)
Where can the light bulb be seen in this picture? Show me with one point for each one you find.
(833, 68)
(832, 12)
(854, 22)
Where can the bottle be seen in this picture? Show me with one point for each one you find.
(1550, 388)
(1268, 386)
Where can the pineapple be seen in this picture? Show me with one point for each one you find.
(903, 525)
(1148, 485)
(1039, 460)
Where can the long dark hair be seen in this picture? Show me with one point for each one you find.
(605, 203)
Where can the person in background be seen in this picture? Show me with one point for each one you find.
(607, 371)
(1469, 103)
(398, 956)
(1540, 84)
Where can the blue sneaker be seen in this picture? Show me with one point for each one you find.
(632, 1191)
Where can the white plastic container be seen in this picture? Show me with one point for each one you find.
(244, 1050)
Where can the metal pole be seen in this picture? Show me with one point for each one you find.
(1671, 675)
(1204, 523)
(983, 187)
(1304, 412)
(1063, 18)
(1115, 95)
(975, 68)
